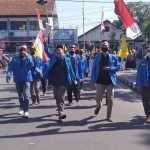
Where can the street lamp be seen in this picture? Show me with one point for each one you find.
(83, 25)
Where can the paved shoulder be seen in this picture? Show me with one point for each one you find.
(128, 77)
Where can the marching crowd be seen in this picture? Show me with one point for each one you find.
(65, 71)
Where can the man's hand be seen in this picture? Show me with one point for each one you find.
(106, 68)
(45, 39)
(24, 53)
(139, 88)
(7, 80)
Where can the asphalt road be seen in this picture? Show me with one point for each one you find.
(81, 130)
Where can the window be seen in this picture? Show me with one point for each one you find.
(3, 25)
(106, 29)
(34, 25)
(18, 25)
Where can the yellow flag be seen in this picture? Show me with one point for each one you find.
(84, 54)
(123, 51)
(64, 48)
(37, 53)
(78, 47)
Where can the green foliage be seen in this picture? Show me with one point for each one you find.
(113, 42)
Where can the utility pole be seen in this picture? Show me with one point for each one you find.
(83, 25)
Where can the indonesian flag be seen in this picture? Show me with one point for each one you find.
(2, 44)
(39, 19)
(102, 26)
(89, 41)
(132, 29)
(39, 46)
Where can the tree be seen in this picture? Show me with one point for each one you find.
(113, 42)
(118, 23)
(146, 30)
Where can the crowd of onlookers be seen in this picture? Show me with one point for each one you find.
(131, 62)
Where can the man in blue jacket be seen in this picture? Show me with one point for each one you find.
(84, 69)
(143, 82)
(76, 66)
(36, 74)
(103, 75)
(61, 75)
(21, 66)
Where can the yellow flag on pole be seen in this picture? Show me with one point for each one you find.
(64, 48)
(123, 51)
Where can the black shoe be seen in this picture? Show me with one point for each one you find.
(77, 99)
(109, 119)
(38, 100)
(97, 110)
(33, 104)
(62, 116)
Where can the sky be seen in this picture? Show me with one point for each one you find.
(70, 14)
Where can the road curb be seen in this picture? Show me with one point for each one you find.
(127, 82)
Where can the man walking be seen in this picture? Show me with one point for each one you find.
(61, 75)
(84, 69)
(36, 74)
(143, 83)
(21, 65)
(76, 66)
(103, 75)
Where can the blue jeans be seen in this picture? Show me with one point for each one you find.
(23, 90)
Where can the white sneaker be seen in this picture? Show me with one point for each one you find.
(81, 91)
(21, 112)
(148, 119)
(26, 114)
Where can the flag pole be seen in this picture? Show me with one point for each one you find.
(83, 25)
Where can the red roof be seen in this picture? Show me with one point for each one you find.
(23, 7)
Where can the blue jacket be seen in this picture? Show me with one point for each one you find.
(45, 65)
(143, 56)
(21, 73)
(78, 70)
(142, 73)
(37, 63)
(113, 65)
(53, 58)
(84, 67)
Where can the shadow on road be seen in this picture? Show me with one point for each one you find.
(135, 124)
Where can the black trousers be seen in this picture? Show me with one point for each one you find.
(146, 100)
(43, 85)
(72, 88)
(81, 84)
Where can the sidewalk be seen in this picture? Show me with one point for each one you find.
(128, 77)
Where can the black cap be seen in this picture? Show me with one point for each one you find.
(59, 46)
(103, 41)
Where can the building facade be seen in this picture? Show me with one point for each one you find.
(111, 31)
(18, 21)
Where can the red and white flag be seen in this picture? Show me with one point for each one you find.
(2, 44)
(39, 46)
(102, 26)
(132, 29)
(40, 20)
(89, 41)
